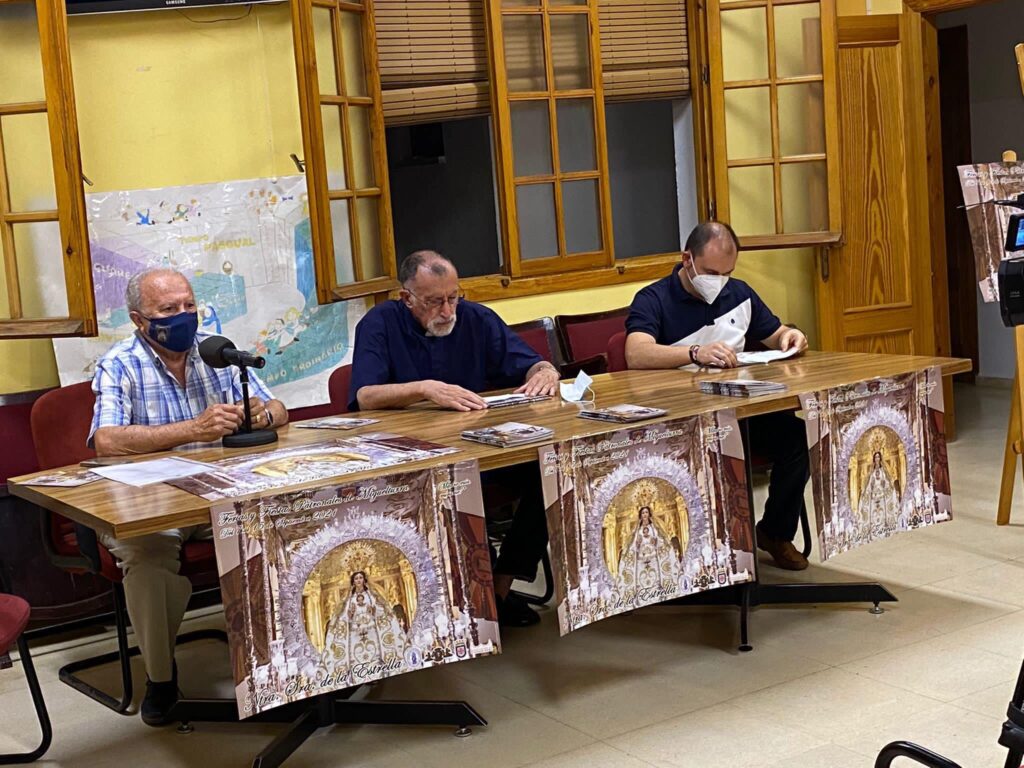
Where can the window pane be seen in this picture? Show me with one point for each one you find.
(368, 214)
(752, 200)
(580, 204)
(323, 38)
(26, 142)
(744, 44)
(804, 197)
(41, 269)
(333, 147)
(748, 123)
(520, 3)
(797, 40)
(362, 148)
(531, 137)
(535, 210)
(21, 64)
(801, 119)
(567, 2)
(576, 135)
(524, 53)
(343, 271)
(352, 53)
(570, 51)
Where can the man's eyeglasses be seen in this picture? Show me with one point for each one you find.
(435, 304)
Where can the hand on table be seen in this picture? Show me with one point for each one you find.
(717, 355)
(258, 411)
(793, 338)
(452, 396)
(543, 382)
(216, 421)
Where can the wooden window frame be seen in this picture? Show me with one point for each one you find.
(319, 194)
(507, 182)
(710, 13)
(59, 106)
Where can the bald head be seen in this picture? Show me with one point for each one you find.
(430, 289)
(430, 262)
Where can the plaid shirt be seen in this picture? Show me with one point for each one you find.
(133, 386)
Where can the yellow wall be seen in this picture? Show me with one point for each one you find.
(167, 98)
(863, 7)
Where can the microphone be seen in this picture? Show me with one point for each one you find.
(218, 352)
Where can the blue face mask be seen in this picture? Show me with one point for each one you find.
(176, 333)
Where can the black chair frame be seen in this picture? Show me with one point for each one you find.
(40, 706)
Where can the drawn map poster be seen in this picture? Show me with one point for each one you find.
(348, 584)
(646, 514)
(878, 459)
(981, 185)
(257, 472)
(246, 247)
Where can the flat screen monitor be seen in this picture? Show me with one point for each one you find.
(119, 6)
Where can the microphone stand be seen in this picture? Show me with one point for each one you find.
(247, 437)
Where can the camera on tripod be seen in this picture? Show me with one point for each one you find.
(1011, 271)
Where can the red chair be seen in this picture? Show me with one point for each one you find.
(586, 336)
(617, 352)
(14, 615)
(60, 427)
(541, 336)
(337, 388)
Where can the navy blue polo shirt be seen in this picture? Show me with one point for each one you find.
(480, 353)
(669, 313)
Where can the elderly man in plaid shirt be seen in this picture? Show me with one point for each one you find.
(154, 393)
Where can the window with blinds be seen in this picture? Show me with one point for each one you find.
(433, 55)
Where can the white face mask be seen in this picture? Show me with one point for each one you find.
(708, 286)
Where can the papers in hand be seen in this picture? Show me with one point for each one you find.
(335, 422)
(140, 473)
(622, 414)
(767, 356)
(742, 387)
(503, 401)
(508, 434)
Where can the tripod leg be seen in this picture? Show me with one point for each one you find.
(1013, 440)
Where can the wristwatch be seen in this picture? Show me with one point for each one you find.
(693, 354)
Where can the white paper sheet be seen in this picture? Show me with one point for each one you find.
(767, 356)
(142, 473)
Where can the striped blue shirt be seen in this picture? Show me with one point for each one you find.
(133, 386)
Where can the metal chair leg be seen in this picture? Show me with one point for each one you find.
(549, 585)
(918, 754)
(41, 713)
(805, 527)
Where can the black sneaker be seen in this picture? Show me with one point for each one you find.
(513, 611)
(159, 699)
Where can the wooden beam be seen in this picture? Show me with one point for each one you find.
(938, 6)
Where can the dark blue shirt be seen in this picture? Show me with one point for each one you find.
(669, 313)
(480, 353)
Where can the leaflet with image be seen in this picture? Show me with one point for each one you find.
(646, 514)
(622, 414)
(341, 585)
(335, 422)
(878, 459)
(64, 478)
(508, 434)
(252, 473)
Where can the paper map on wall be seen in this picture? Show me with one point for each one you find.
(246, 247)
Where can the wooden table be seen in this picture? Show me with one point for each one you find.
(124, 511)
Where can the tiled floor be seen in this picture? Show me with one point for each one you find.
(825, 687)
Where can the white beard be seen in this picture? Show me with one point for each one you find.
(432, 330)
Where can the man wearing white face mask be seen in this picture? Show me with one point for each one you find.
(701, 316)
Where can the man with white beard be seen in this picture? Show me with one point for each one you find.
(431, 344)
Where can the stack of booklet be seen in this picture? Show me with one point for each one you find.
(622, 414)
(503, 401)
(742, 387)
(509, 434)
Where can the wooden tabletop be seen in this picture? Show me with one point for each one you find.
(125, 511)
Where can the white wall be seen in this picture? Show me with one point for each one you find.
(997, 124)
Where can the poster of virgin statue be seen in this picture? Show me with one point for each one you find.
(982, 185)
(878, 459)
(346, 584)
(642, 515)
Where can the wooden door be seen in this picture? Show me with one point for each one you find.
(875, 288)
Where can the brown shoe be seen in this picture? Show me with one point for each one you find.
(784, 554)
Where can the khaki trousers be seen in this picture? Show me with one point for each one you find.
(156, 594)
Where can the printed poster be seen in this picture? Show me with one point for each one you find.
(339, 586)
(981, 185)
(646, 514)
(878, 459)
(256, 472)
(246, 248)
